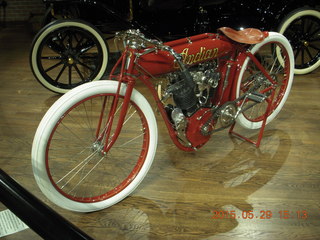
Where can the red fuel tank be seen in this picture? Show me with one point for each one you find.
(194, 50)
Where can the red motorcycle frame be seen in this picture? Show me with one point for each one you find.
(194, 50)
(209, 82)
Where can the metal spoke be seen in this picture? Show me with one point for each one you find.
(104, 130)
(52, 57)
(272, 65)
(70, 75)
(88, 121)
(54, 66)
(83, 163)
(76, 122)
(129, 141)
(61, 39)
(314, 39)
(309, 53)
(70, 39)
(74, 134)
(79, 41)
(60, 73)
(86, 174)
(297, 53)
(314, 47)
(88, 47)
(124, 123)
(79, 73)
(89, 56)
(310, 26)
(302, 57)
(86, 66)
(302, 25)
(126, 120)
(57, 48)
(315, 31)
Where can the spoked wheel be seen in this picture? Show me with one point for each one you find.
(67, 155)
(302, 28)
(67, 53)
(277, 83)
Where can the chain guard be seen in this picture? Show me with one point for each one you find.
(195, 124)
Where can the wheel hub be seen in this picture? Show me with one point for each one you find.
(70, 56)
(70, 60)
(98, 147)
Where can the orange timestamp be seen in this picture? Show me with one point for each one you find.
(263, 214)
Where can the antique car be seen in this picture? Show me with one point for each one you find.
(167, 20)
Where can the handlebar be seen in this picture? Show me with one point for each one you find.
(135, 39)
(132, 35)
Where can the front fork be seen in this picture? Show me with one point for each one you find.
(126, 66)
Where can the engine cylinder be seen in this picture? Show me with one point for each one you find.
(184, 96)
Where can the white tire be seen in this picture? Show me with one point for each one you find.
(56, 147)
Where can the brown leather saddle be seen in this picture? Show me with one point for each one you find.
(248, 35)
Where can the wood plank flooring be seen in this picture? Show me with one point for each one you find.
(183, 192)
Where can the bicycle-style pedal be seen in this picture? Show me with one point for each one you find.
(257, 97)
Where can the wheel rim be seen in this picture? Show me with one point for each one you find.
(253, 79)
(74, 162)
(303, 34)
(68, 57)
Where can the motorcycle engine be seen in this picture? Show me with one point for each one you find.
(191, 108)
(206, 79)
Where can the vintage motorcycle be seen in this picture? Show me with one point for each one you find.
(59, 66)
(97, 142)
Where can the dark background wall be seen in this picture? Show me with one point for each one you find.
(21, 10)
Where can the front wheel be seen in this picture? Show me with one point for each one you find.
(67, 158)
(253, 81)
(68, 53)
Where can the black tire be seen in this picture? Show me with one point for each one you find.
(68, 53)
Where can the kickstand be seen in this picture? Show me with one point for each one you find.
(264, 122)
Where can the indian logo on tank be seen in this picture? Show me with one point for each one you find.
(202, 55)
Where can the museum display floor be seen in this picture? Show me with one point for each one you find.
(271, 192)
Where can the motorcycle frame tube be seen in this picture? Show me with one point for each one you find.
(127, 64)
(240, 60)
(222, 96)
(126, 77)
(114, 103)
(236, 52)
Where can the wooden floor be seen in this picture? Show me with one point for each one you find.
(183, 192)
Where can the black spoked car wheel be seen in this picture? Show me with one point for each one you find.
(302, 28)
(68, 53)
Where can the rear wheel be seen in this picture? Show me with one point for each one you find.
(67, 53)
(67, 157)
(252, 80)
